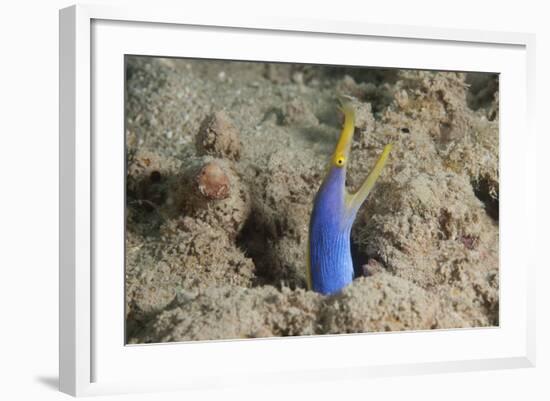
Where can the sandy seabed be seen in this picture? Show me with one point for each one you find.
(224, 159)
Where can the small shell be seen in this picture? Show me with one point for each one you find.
(212, 182)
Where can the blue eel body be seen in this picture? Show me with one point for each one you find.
(330, 266)
(330, 228)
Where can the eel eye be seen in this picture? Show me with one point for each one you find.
(340, 161)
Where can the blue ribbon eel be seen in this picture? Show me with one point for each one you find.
(329, 263)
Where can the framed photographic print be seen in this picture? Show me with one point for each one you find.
(274, 200)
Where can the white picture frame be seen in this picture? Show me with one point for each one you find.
(93, 357)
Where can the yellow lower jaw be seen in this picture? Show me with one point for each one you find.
(355, 200)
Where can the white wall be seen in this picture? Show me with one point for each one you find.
(29, 185)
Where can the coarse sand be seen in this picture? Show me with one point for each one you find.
(224, 159)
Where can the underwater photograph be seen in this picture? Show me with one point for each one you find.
(273, 199)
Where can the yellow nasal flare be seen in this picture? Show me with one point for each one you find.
(343, 146)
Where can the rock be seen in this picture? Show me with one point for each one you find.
(218, 137)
